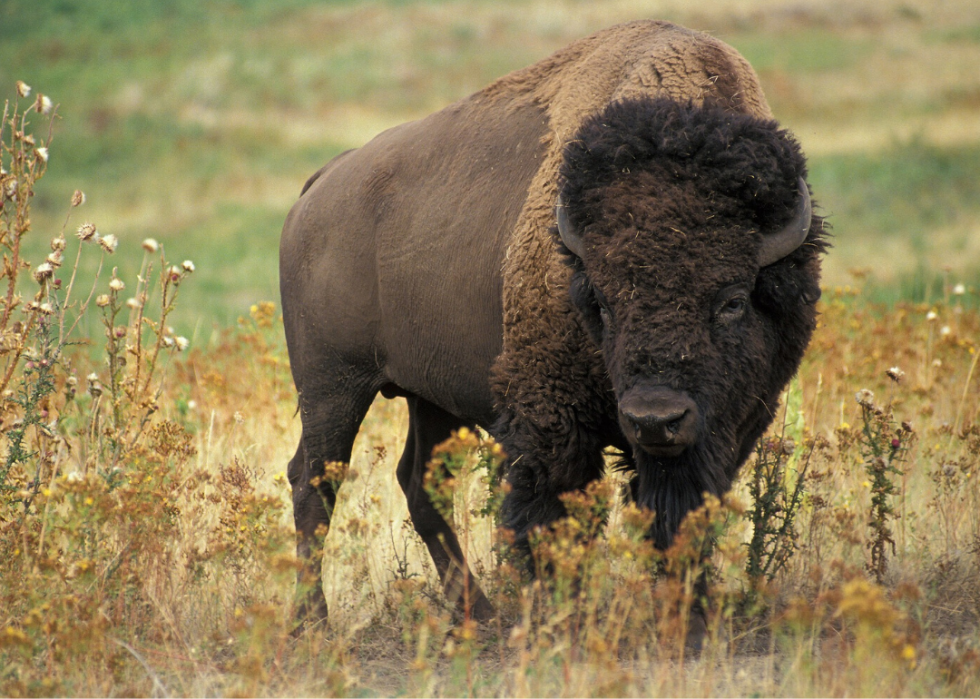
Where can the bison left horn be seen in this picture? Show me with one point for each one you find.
(572, 240)
(776, 246)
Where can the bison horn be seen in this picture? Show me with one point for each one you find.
(776, 246)
(571, 239)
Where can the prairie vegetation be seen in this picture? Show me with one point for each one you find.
(146, 545)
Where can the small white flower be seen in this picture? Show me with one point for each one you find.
(945, 330)
(23, 89)
(931, 316)
(86, 231)
(132, 303)
(109, 243)
(188, 266)
(42, 153)
(959, 289)
(116, 284)
(43, 272)
(191, 404)
(74, 477)
(151, 245)
(92, 377)
(182, 343)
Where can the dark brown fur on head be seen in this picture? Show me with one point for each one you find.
(672, 202)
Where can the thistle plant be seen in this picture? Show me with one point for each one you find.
(777, 493)
(884, 448)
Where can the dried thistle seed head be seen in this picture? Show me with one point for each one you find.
(42, 153)
(43, 272)
(151, 245)
(78, 198)
(54, 259)
(865, 398)
(58, 244)
(931, 316)
(895, 374)
(43, 105)
(168, 341)
(46, 308)
(182, 343)
(23, 89)
(188, 266)
(102, 300)
(132, 303)
(116, 284)
(959, 289)
(86, 231)
(28, 139)
(109, 243)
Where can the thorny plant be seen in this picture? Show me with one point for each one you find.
(776, 495)
(884, 448)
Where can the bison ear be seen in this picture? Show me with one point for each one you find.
(776, 246)
(572, 240)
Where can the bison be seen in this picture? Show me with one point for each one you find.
(612, 247)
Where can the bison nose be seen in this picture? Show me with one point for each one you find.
(663, 422)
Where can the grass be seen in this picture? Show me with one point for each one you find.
(146, 533)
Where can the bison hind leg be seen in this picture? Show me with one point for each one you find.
(331, 411)
(428, 426)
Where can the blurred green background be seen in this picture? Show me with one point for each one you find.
(197, 123)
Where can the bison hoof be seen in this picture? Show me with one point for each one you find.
(312, 613)
(697, 632)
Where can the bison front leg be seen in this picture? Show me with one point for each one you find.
(542, 465)
(428, 425)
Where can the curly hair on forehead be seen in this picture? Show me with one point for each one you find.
(748, 159)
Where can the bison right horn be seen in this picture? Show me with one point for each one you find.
(776, 246)
(572, 240)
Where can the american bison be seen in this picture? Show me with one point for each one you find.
(612, 247)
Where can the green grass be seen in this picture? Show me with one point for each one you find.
(907, 190)
(197, 123)
(801, 53)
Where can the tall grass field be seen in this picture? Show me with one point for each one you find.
(150, 152)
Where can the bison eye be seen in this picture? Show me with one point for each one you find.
(732, 306)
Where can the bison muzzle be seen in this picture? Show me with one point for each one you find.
(613, 247)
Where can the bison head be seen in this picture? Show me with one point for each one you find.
(696, 270)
